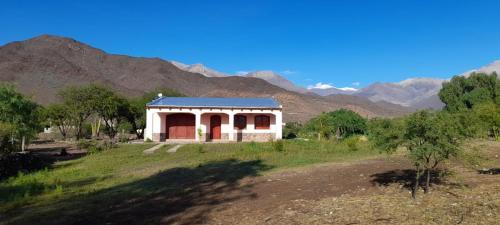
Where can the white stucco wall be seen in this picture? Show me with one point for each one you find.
(155, 120)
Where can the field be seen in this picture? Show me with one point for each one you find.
(305, 182)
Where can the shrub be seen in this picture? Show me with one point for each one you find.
(292, 130)
(352, 143)
(148, 140)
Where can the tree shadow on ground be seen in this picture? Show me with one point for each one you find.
(182, 195)
(405, 178)
(492, 171)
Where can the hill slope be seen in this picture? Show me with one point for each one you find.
(43, 65)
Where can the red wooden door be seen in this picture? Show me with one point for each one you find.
(180, 126)
(215, 122)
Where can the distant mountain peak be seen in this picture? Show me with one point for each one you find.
(492, 67)
(199, 68)
(277, 80)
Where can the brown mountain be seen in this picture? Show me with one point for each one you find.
(41, 66)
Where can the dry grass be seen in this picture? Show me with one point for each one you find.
(468, 196)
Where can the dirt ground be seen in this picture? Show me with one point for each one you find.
(374, 191)
(366, 192)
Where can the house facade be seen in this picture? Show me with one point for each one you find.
(213, 119)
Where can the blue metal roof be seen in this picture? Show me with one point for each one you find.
(216, 102)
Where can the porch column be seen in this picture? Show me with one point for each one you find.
(279, 125)
(197, 125)
(231, 126)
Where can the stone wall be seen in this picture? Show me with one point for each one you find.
(159, 136)
(261, 137)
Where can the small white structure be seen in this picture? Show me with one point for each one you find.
(213, 119)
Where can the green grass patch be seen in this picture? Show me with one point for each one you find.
(115, 176)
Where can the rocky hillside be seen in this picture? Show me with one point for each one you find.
(277, 80)
(43, 65)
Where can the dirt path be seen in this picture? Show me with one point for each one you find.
(282, 189)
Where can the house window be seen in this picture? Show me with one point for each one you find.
(240, 122)
(262, 122)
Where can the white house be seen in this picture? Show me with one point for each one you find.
(213, 119)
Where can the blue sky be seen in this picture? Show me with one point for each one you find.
(343, 43)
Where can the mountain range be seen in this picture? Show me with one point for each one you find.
(41, 66)
(416, 93)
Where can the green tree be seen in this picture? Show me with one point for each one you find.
(463, 93)
(80, 101)
(22, 114)
(111, 108)
(430, 139)
(340, 123)
(59, 115)
(386, 133)
(346, 123)
(488, 115)
(320, 125)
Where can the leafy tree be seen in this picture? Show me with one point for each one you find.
(463, 93)
(137, 112)
(346, 123)
(110, 107)
(430, 138)
(81, 103)
(22, 114)
(320, 125)
(59, 115)
(386, 133)
(340, 123)
(489, 116)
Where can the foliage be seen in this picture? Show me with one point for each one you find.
(22, 114)
(81, 103)
(292, 130)
(6, 144)
(463, 93)
(340, 123)
(429, 137)
(352, 142)
(385, 133)
(59, 115)
(110, 107)
(488, 115)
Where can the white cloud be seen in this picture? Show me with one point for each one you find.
(241, 73)
(356, 84)
(288, 72)
(320, 85)
(347, 89)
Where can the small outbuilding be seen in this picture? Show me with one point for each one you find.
(213, 119)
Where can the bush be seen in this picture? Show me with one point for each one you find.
(292, 130)
(352, 143)
(148, 140)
